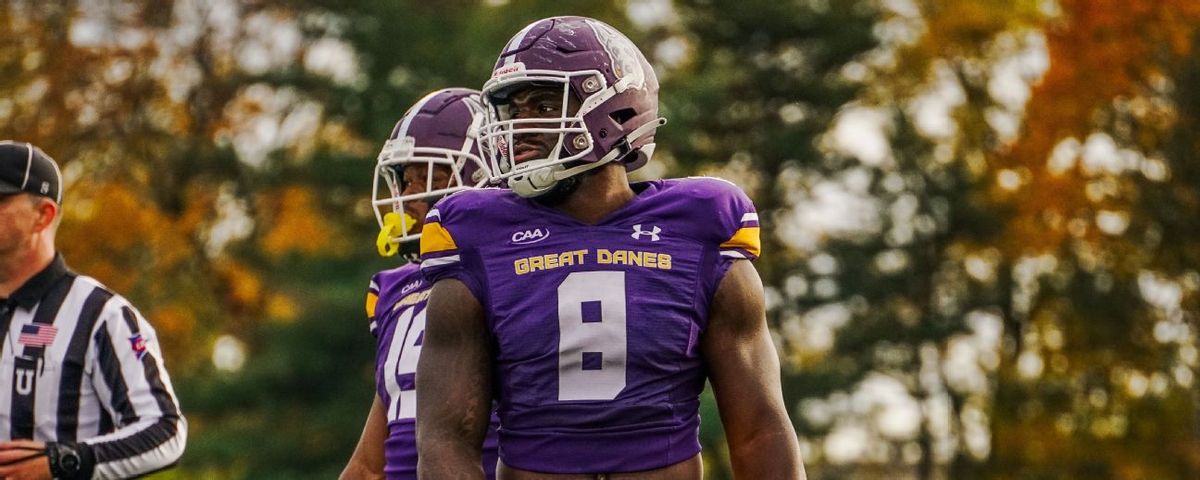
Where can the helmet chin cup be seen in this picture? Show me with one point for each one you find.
(535, 183)
(541, 180)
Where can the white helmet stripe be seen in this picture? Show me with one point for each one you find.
(516, 42)
(412, 112)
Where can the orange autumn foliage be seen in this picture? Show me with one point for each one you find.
(1100, 51)
(136, 238)
(295, 224)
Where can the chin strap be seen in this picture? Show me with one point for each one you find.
(386, 243)
(540, 181)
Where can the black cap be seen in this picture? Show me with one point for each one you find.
(26, 168)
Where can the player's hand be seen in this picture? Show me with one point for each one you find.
(24, 460)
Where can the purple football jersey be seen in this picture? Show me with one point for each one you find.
(597, 362)
(396, 308)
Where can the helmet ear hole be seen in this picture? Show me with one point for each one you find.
(623, 115)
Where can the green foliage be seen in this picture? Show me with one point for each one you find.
(970, 230)
(296, 409)
(762, 82)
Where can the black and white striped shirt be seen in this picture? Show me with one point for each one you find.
(80, 364)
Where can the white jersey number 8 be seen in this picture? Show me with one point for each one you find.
(592, 336)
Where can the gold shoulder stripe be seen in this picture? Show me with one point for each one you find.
(745, 238)
(372, 299)
(435, 239)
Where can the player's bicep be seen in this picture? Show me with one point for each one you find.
(744, 370)
(454, 373)
(743, 365)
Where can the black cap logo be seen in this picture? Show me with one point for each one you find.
(26, 168)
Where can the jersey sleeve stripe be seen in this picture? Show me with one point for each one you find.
(435, 238)
(746, 238)
(372, 300)
(437, 262)
(154, 447)
(750, 217)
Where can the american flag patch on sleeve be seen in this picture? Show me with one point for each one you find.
(37, 335)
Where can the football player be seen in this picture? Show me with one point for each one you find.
(431, 153)
(592, 309)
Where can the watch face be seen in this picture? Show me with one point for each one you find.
(69, 461)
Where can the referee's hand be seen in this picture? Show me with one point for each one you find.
(24, 460)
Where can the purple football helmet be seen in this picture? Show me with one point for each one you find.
(597, 68)
(441, 129)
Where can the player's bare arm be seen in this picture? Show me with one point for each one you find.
(744, 371)
(454, 372)
(367, 461)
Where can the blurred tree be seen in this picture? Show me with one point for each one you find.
(969, 278)
(748, 88)
(915, 295)
(893, 312)
(1173, 273)
(1097, 337)
(185, 148)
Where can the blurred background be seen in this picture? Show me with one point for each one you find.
(981, 217)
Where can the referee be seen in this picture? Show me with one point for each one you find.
(83, 389)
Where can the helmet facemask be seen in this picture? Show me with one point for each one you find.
(504, 135)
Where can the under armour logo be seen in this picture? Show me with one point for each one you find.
(653, 232)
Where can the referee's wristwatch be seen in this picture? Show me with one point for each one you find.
(69, 461)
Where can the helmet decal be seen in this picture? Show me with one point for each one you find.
(626, 61)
